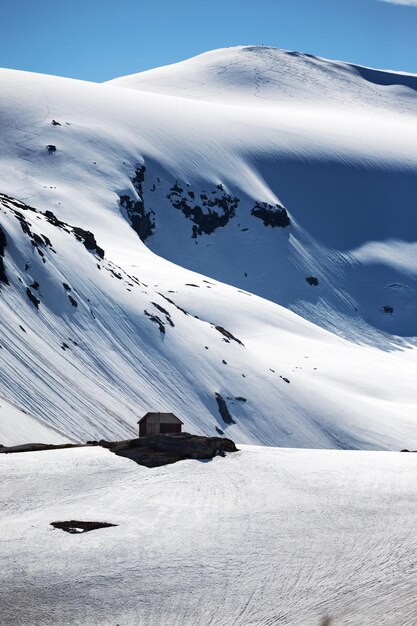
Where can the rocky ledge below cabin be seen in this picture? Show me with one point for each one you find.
(157, 450)
(151, 451)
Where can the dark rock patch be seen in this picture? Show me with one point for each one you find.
(52, 219)
(73, 301)
(88, 240)
(389, 310)
(35, 447)
(240, 399)
(274, 216)
(55, 123)
(205, 218)
(312, 280)
(51, 148)
(75, 527)
(228, 335)
(173, 303)
(157, 320)
(3, 277)
(152, 451)
(157, 450)
(142, 221)
(165, 312)
(223, 409)
(32, 298)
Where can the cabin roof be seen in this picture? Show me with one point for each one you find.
(161, 416)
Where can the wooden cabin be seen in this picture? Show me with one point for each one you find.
(159, 424)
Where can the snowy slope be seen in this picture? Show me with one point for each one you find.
(339, 154)
(265, 76)
(261, 537)
(232, 201)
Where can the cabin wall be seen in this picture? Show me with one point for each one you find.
(158, 424)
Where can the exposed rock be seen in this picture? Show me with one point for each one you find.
(173, 303)
(51, 148)
(88, 240)
(142, 221)
(157, 320)
(32, 298)
(152, 451)
(157, 450)
(165, 312)
(223, 410)
(36, 447)
(228, 335)
(3, 277)
(274, 216)
(389, 310)
(76, 527)
(205, 219)
(312, 280)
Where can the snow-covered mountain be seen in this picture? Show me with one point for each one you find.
(242, 224)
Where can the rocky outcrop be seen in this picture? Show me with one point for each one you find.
(223, 409)
(88, 240)
(274, 216)
(157, 450)
(210, 211)
(36, 447)
(227, 335)
(152, 451)
(3, 277)
(141, 220)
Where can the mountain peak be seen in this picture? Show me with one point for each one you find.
(259, 75)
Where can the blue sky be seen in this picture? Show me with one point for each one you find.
(101, 39)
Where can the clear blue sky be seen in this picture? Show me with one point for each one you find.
(101, 39)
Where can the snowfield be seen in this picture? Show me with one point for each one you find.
(264, 536)
(242, 224)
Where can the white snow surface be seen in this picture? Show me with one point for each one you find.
(335, 144)
(264, 536)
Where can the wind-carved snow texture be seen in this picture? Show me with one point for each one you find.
(264, 536)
